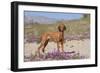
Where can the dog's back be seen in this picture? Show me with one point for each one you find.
(52, 36)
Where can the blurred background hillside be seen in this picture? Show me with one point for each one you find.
(35, 25)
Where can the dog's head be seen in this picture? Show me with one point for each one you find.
(62, 27)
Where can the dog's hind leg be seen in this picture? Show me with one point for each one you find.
(45, 44)
(42, 46)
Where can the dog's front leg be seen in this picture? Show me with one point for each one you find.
(62, 47)
(58, 46)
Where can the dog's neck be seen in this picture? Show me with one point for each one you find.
(62, 33)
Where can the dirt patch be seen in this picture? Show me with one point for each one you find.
(75, 49)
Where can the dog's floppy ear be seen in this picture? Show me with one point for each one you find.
(59, 28)
(64, 27)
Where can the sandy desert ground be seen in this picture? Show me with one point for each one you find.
(79, 46)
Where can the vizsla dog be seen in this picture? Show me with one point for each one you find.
(57, 37)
